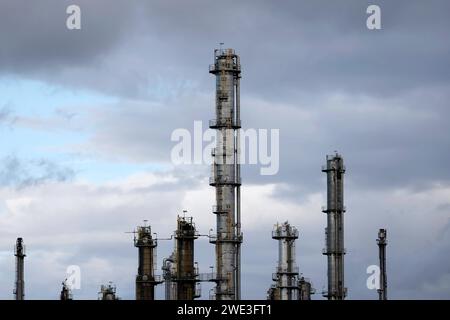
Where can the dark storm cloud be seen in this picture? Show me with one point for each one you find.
(321, 46)
(286, 48)
(36, 42)
(394, 82)
(310, 68)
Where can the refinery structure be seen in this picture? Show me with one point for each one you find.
(180, 271)
(145, 279)
(225, 175)
(382, 243)
(288, 285)
(19, 252)
(334, 231)
(180, 275)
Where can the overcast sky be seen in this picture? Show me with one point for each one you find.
(86, 118)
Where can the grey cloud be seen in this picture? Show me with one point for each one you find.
(90, 232)
(41, 43)
(389, 124)
(7, 117)
(287, 48)
(25, 173)
(385, 142)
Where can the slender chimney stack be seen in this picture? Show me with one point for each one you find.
(19, 253)
(382, 235)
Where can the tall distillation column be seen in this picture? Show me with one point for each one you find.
(335, 227)
(286, 276)
(382, 235)
(186, 272)
(108, 292)
(226, 174)
(145, 279)
(19, 253)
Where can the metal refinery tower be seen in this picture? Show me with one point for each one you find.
(286, 276)
(381, 241)
(19, 253)
(145, 279)
(305, 289)
(180, 270)
(288, 285)
(108, 292)
(335, 227)
(66, 293)
(226, 174)
(186, 271)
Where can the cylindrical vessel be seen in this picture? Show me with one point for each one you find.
(145, 279)
(335, 227)
(225, 174)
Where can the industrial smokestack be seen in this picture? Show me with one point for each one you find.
(226, 174)
(19, 253)
(286, 276)
(382, 236)
(145, 279)
(335, 227)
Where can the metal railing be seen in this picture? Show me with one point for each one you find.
(156, 278)
(221, 208)
(325, 168)
(224, 52)
(325, 209)
(207, 276)
(226, 123)
(293, 233)
(213, 238)
(224, 67)
(326, 251)
(286, 270)
(327, 293)
(224, 179)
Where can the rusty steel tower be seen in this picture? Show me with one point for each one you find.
(226, 174)
(108, 292)
(381, 241)
(335, 227)
(186, 270)
(19, 253)
(145, 279)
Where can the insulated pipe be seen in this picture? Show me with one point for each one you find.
(238, 189)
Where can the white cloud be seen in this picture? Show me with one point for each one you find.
(84, 224)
